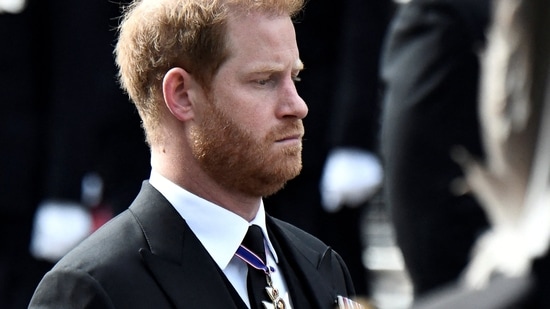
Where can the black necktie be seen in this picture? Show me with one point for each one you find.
(256, 279)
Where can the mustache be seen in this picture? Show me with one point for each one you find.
(289, 129)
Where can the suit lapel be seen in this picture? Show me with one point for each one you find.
(193, 284)
(312, 268)
(176, 258)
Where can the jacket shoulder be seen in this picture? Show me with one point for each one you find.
(327, 262)
(301, 236)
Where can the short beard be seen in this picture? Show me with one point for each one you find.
(237, 161)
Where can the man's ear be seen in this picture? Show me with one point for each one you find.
(176, 86)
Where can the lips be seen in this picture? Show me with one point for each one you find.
(290, 138)
(292, 132)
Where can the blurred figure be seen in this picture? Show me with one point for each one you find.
(23, 70)
(92, 123)
(508, 266)
(340, 85)
(64, 119)
(431, 70)
(512, 182)
(92, 128)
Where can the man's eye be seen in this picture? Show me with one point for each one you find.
(263, 82)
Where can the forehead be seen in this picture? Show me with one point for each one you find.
(257, 37)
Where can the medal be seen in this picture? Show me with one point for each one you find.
(277, 302)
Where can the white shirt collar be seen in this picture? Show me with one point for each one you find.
(219, 230)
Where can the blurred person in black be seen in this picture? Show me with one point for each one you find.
(22, 71)
(430, 71)
(340, 84)
(91, 129)
(89, 112)
(58, 127)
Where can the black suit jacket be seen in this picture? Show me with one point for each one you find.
(147, 257)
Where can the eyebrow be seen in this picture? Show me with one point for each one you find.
(273, 68)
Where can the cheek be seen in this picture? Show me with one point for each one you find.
(258, 123)
(252, 111)
(247, 114)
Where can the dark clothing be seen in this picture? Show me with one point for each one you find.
(430, 70)
(63, 115)
(22, 127)
(148, 257)
(93, 127)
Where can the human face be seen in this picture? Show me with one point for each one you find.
(249, 132)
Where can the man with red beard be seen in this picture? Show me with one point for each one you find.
(213, 81)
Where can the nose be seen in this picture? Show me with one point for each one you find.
(291, 104)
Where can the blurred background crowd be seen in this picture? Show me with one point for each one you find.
(392, 90)
(72, 142)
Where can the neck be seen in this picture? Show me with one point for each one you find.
(188, 175)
